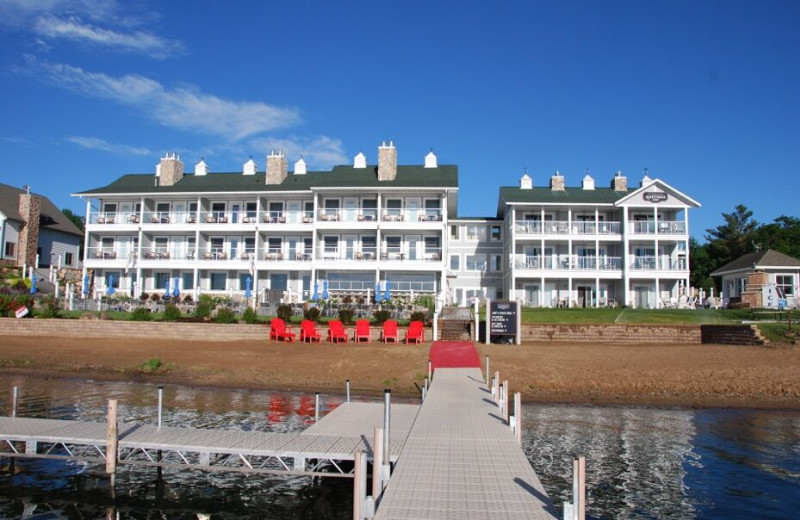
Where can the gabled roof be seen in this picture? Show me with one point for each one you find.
(444, 176)
(631, 195)
(545, 195)
(759, 260)
(50, 217)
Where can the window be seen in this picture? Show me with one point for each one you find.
(476, 262)
(497, 263)
(68, 258)
(111, 276)
(251, 208)
(433, 209)
(309, 210)
(274, 245)
(454, 232)
(455, 262)
(368, 245)
(393, 207)
(275, 209)
(433, 249)
(161, 281)
(496, 233)
(188, 281)
(9, 249)
(331, 207)
(243, 281)
(331, 246)
(250, 245)
(370, 209)
(476, 232)
(308, 245)
(218, 281)
(785, 283)
(393, 245)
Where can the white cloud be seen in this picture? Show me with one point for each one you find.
(320, 152)
(184, 108)
(75, 29)
(95, 143)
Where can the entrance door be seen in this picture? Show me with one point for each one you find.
(532, 296)
(350, 208)
(641, 297)
(413, 209)
(234, 247)
(294, 212)
(278, 281)
(293, 243)
(585, 296)
(235, 208)
(349, 246)
(412, 241)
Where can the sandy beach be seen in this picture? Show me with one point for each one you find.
(670, 375)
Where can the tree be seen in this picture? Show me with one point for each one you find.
(734, 238)
(782, 235)
(78, 221)
(701, 264)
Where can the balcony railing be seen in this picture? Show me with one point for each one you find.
(108, 253)
(371, 254)
(568, 262)
(563, 227)
(651, 263)
(663, 227)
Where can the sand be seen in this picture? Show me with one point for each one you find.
(670, 375)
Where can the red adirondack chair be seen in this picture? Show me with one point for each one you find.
(309, 332)
(362, 331)
(389, 333)
(280, 332)
(415, 332)
(336, 332)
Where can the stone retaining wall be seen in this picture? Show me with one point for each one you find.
(612, 334)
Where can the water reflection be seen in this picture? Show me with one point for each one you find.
(641, 462)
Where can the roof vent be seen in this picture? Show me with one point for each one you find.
(526, 182)
(588, 182)
(249, 168)
(360, 161)
(201, 168)
(300, 167)
(430, 160)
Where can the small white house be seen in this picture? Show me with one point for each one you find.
(761, 279)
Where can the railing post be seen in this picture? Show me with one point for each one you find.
(14, 402)
(577, 509)
(348, 390)
(487, 370)
(518, 417)
(430, 370)
(435, 326)
(387, 454)
(358, 487)
(112, 439)
(497, 387)
(316, 407)
(377, 464)
(160, 403)
(505, 400)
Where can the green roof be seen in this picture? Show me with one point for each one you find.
(444, 176)
(545, 195)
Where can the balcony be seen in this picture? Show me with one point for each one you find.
(651, 263)
(567, 262)
(564, 227)
(107, 253)
(664, 227)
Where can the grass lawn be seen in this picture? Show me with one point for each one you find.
(635, 316)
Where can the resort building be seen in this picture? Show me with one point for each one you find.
(32, 226)
(761, 279)
(357, 228)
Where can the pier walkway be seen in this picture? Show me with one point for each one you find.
(461, 460)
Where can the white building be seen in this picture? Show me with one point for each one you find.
(761, 279)
(359, 226)
(350, 229)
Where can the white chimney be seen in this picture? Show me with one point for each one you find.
(588, 182)
(249, 168)
(525, 182)
(300, 167)
(360, 161)
(201, 168)
(430, 160)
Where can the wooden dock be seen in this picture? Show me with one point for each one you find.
(461, 460)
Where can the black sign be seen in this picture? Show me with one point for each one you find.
(655, 196)
(503, 316)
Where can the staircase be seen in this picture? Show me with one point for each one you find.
(455, 324)
(732, 335)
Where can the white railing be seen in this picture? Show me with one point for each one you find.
(563, 227)
(567, 262)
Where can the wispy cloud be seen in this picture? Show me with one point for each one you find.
(95, 143)
(101, 24)
(185, 108)
(75, 29)
(14, 140)
(317, 152)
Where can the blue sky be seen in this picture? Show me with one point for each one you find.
(704, 94)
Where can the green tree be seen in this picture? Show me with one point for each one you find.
(782, 235)
(701, 264)
(78, 221)
(734, 237)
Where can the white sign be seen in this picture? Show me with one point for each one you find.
(21, 312)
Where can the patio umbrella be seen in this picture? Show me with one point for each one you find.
(378, 292)
(247, 286)
(33, 284)
(325, 290)
(386, 294)
(176, 290)
(85, 290)
(315, 296)
(110, 288)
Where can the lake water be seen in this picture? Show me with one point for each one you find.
(641, 462)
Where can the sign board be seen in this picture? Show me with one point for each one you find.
(655, 196)
(503, 317)
(21, 312)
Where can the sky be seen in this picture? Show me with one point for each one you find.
(705, 95)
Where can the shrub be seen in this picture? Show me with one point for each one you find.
(381, 316)
(9, 303)
(225, 315)
(205, 305)
(346, 316)
(151, 365)
(48, 308)
(172, 312)
(141, 314)
(155, 297)
(144, 297)
(420, 316)
(250, 315)
(425, 300)
(312, 313)
(285, 312)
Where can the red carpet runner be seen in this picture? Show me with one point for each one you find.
(454, 354)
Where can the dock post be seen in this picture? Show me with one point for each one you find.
(160, 403)
(430, 370)
(487, 369)
(497, 387)
(518, 417)
(316, 407)
(579, 488)
(377, 464)
(476, 312)
(493, 389)
(505, 400)
(14, 402)
(358, 486)
(435, 326)
(347, 384)
(112, 439)
(387, 454)
(425, 390)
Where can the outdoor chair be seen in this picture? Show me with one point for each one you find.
(389, 333)
(415, 332)
(362, 331)
(309, 333)
(336, 332)
(280, 332)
